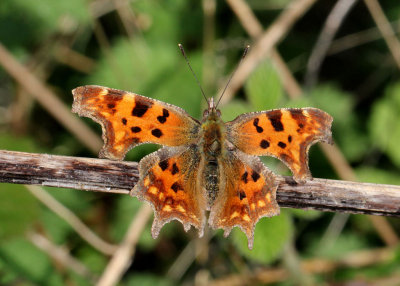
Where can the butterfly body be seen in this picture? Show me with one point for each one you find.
(212, 146)
(206, 165)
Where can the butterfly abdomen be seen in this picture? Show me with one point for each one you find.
(211, 180)
(213, 135)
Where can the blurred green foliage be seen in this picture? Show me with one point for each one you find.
(264, 77)
(270, 237)
(147, 61)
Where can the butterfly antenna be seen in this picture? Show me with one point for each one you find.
(194, 74)
(230, 78)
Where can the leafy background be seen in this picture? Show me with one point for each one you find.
(132, 45)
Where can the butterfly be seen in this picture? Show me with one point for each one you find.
(206, 165)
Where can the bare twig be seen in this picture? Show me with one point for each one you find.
(105, 47)
(60, 255)
(73, 59)
(255, 30)
(276, 31)
(67, 172)
(246, 17)
(85, 232)
(355, 259)
(328, 32)
(344, 170)
(208, 74)
(119, 177)
(126, 250)
(359, 38)
(384, 27)
(49, 100)
(385, 230)
(127, 16)
(187, 256)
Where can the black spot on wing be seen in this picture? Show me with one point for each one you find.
(289, 138)
(163, 118)
(115, 92)
(163, 165)
(258, 128)
(141, 107)
(281, 144)
(136, 129)
(111, 105)
(242, 195)
(255, 176)
(275, 117)
(175, 169)
(299, 117)
(124, 121)
(165, 113)
(176, 187)
(244, 177)
(264, 144)
(156, 133)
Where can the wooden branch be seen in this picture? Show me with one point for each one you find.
(68, 172)
(120, 176)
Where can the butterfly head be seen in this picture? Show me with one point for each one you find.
(211, 113)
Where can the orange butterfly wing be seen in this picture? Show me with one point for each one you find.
(169, 181)
(129, 119)
(286, 134)
(247, 193)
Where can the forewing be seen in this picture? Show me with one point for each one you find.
(286, 134)
(129, 119)
(247, 193)
(169, 182)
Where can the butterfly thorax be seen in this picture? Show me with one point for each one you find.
(213, 136)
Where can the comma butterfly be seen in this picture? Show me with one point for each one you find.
(204, 165)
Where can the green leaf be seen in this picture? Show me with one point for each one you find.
(347, 128)
(345, 243)
(159, 19)
(17, 143)
(383, 125)
(234, 108)
(18, 210)
(57, 228)
(377, 176)
(125, 211)
(76, 201)
(336, 102)
(177, 86)
(299, 102)
(382, 121)
(135, 66)
(306, 214)
(94, 260)
(263, 87)
(28, 21)
(270, 237)
(155, 71)
(28, 262)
